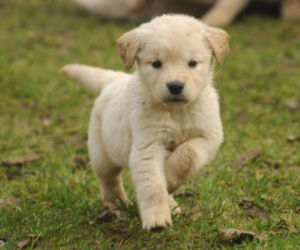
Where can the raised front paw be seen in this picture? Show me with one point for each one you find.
(156, 218)
(179, 166)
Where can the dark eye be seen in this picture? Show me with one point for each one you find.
(157, 64)
(192, 64)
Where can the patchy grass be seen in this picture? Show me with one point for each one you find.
(54, 201)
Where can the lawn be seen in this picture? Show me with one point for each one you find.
(53, 202)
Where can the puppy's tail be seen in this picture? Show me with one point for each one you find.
(92, 78)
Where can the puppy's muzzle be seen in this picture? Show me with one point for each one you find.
(175, 87)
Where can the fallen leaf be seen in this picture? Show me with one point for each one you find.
(21, 160)
(237, 236)
(91, 222)
(24, 243)
(9, 201)
(111, 215)
(79, 162)
(252, 208)
(47, 121)
(291, 138)
(118, 235)
(106, 216)
(292, 103)
(30, 238)
(284, 225)
(247, 157)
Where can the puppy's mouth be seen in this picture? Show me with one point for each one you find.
(176, 99)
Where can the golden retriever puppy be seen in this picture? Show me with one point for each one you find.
(163, 120)
(212, 12)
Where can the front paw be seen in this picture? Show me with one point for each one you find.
(156, 218)
(179, 166)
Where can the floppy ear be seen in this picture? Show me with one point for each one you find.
(219, 42)
(128, 47)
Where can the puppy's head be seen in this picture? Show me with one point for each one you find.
(175, 56)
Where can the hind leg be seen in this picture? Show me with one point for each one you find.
(111, 186)
(109, 175)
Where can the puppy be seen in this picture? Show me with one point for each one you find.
(163, 120)
(212, 12)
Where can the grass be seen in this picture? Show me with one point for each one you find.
(55, 201)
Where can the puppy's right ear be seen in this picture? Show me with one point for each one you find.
(128, 46)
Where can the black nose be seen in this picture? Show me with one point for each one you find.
(175, 87)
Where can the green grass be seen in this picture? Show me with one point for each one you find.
(43, 113)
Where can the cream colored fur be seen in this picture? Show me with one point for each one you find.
(136, 123)
(222, 12)
(109, 8)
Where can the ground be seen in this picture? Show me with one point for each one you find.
(53, 203)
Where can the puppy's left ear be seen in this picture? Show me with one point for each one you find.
(219, 42)
(128, 46)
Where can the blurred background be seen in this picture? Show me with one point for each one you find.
(48, 194)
